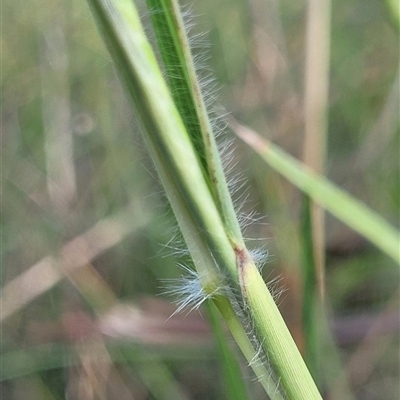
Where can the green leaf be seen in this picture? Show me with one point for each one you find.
(190, 101)
(339, 203)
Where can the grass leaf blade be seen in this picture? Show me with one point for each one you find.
(189, 98)
(338, 202)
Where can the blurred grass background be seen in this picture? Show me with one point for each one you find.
(79, 191)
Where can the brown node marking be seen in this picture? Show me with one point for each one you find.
(242, 258)
(241, 254)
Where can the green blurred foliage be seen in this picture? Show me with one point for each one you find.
(51, 51)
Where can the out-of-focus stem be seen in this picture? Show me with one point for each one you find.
(315, 112)
(61, 176)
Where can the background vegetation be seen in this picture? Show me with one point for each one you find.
(80, 191)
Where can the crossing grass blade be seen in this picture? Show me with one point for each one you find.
(339, 203)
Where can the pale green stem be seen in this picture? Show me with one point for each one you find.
(252, 355)
(277, 342)
(189, 194)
